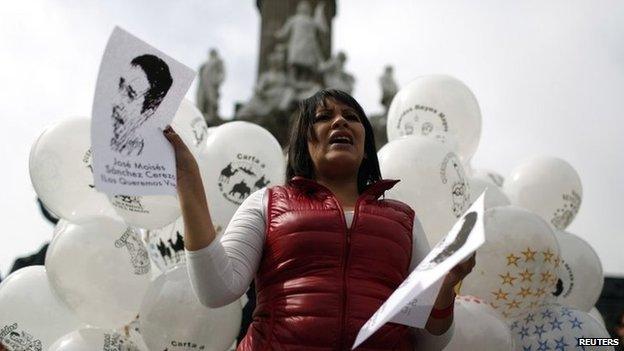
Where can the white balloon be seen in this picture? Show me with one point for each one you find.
(172, 316)
(100, 269)
(597, 316)
(478, 327)
(490, 176)
(437, 106)
(148, 212)
(61, 171)
(516, 268)
(494, 197)
(90, 339)
(556, 327)
(580, 273)
(166, 245)
(191, 126)
(31, 316)
(548, 186)
(432, 182)
(239, 158)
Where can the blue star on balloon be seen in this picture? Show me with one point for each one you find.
(560, 344)
(524, 332)
(576, 323)
(529, 318)
(543, 346)
(566, 312)
(556, 324)
(547, 314)
(514, 325)
(526, 348)
(539, 330)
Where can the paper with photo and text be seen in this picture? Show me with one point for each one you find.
(411, 302)
(138, 92)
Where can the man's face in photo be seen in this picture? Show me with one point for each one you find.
(128, 102)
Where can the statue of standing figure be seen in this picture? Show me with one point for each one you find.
(272, 93)
(334, 75)
(389, 87)
(211, 76)
(303, 34)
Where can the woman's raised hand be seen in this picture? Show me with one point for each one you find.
(186, 166)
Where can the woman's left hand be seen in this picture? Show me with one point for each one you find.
(459, 272)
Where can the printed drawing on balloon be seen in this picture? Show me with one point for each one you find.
(200, 130)
(564, 215)
(14, 339)
(128, 203)
(138, 254)
(452, 173)
(242, 176)
(423, 120)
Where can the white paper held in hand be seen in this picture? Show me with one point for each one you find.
(138, 92)
(411, 302)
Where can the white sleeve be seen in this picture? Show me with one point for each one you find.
(420, 249)
(221, 272)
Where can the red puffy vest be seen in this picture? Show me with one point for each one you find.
(319, 281)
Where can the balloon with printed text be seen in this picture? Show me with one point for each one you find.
(517, 267)
(32, 317)
(61, 171)
(548, 186)
(172, 316)
(239, 159)
(433, 182)
(437, 106)
(100, 269)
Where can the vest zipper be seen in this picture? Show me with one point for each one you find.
(345, 262)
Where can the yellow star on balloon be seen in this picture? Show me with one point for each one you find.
(548, 255)
(507, 278)
(524, 292)
(513, 304)
(529, 255)
(526, 275)
(539, 292)
(500, 294)
(512, 259)
(546, 276)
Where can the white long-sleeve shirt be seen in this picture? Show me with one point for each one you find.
(221, 272)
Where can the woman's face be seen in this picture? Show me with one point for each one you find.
(339, 146)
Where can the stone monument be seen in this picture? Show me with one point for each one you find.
(211, 76)
(295, 62)
(274, 15)
(389, 87)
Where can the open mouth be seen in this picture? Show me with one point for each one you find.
(341, 139)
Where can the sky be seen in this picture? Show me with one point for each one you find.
(548, 76)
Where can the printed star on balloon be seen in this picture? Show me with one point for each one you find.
(555, 327)
(523, 283)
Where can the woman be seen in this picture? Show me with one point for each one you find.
(325, 251)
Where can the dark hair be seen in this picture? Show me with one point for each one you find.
(299, 161)
(159, 79)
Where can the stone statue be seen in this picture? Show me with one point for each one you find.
(272, 93)
(211, 76)
(303, 34)
(334, 75)
(389, 87)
